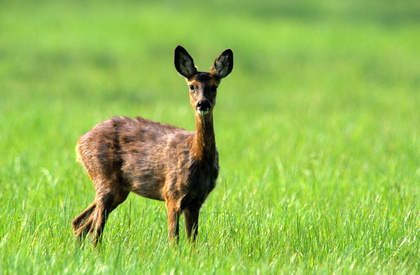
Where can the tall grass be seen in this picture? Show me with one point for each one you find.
(316, 129)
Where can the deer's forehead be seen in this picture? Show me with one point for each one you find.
(203, 78)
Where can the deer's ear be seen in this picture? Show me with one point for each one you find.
(184, 63)
(223, 64)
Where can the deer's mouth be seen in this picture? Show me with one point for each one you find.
(203, 112)
(203, 108)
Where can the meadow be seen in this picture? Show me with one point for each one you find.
(317, 129)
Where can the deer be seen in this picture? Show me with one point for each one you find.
(156, 161)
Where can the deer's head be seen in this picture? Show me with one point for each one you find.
(203, 85)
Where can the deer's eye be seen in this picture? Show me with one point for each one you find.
(191, 87)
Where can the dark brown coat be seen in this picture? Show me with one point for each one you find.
(154, 160)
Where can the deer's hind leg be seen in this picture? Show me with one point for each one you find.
(82, 222)
(92, 220)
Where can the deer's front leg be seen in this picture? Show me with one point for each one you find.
(191, 214)
(173, 220)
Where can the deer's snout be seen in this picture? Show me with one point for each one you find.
(203, 107)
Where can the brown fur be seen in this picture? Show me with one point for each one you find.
(154, 160)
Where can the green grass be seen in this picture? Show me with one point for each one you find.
(317, 129)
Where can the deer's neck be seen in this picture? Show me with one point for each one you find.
(203, 143)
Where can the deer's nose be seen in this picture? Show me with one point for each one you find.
(202, 107)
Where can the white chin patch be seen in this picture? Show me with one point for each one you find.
(201, 112)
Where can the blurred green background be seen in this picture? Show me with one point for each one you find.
(317, 129)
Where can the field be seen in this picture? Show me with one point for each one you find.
(317, 129)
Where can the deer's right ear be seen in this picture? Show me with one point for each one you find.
(184, 63)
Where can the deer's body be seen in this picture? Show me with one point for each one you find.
(154, 160)
(150, 159)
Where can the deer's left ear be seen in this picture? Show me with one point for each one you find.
(223, 64)
(184, 63)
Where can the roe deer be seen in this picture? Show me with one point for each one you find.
(153, 160)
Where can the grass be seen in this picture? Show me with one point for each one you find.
(316, 129)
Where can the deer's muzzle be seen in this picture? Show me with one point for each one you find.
(202, 107)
